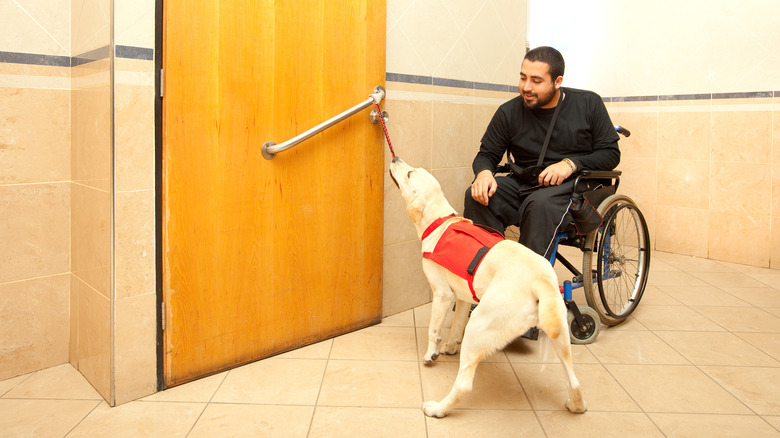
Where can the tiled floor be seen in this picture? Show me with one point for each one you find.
(699, 357)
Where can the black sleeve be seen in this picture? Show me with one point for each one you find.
(605, 154)
(494, 144)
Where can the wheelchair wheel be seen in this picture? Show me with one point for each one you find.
(618, 257)
(589, 332)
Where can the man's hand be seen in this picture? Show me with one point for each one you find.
(483, 187)
(554, 174)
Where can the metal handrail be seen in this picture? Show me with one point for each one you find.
(270, 149)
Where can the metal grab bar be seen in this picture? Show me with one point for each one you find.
(270, 149)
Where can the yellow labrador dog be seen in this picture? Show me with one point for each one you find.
(517, 289)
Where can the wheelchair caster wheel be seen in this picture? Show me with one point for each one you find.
(587, 329)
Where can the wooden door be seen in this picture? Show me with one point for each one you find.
(262, 256)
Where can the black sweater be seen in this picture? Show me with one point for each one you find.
(583, 133)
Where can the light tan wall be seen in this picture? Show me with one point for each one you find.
(705, 173)
(454, 50)
(77, 280)
(35, 188)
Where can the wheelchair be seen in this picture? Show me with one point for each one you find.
(615, 262)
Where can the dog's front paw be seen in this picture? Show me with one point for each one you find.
(450, 349)
(433, 409)
(430, 357)
(576, 408)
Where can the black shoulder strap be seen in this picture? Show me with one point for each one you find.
(547, 137)
(550, 129)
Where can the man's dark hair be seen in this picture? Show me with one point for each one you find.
(549, 56)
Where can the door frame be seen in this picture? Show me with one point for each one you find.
(159, 29)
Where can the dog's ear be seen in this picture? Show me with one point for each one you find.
(415, 209)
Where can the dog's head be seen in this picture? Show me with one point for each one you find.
(425, 201)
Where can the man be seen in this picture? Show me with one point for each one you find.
(583, 137)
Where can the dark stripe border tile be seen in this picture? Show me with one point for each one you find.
(686, 97)
(750, 95)
(91, 56)
(33, 59)
(130, 52)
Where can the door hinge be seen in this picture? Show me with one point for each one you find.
(162, 309)
(162, 82)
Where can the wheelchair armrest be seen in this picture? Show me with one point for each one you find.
(599, 173)
(584, 175)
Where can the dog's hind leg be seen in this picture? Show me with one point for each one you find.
(552, 319)
(462, 309)
(484, 335)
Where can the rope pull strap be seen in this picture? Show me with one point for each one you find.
(384, 127)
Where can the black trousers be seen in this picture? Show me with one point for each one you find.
(538, 213)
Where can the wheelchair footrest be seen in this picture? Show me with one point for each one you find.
(532, 334)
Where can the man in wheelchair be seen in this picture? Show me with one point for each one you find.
(548, 133)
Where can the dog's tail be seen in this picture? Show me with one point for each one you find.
(549, 307)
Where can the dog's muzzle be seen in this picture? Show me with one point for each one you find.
(395, 160)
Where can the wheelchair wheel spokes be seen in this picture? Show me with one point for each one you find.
(621, 249)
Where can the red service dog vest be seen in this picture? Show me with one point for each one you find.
(461, 248)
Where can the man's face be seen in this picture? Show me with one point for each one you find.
(536, 85)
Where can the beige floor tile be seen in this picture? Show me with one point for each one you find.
(563, 424)
(320, 350)
(201, 390)
(231, 420)
(273, 381)
(703, 296)
(716, 348)
(403, 319)
(770, 278)
(485, 424)
(742, 319)
(422, 347)
(674, 318)
(773, 420)
(377, 343)
(659, 263)
(691, 264)
(634, 347)
(769, 343)
(367, 422)
(675, 389)
(547, 389)
(541, 351)
(60, 382)
(495, 386)
(42, 418)
(657, 296)
(360, 383)
(147, 419)
(691, 425)
(756, 387)
(8, 384)
(728, 279)
(758, 296)
(675, 278)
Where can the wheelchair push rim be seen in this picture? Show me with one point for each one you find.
(620, 249)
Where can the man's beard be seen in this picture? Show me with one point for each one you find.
(541, 99)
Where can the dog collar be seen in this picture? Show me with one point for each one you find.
(436, 224)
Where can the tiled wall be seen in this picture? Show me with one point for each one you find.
(135, 316)
(450, 65)
(705, 170)
(77, 192)
(35, 187)
(91, 193)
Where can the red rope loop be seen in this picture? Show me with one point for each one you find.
(384, 128)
